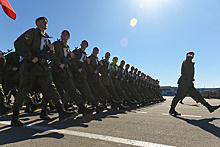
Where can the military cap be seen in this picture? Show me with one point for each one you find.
(40, 18)
(190, 53)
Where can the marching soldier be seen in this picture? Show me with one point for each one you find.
(3, 109)
(186, 86)
(34, 46)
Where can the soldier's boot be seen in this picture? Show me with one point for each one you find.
(122, 107)
(43, 114)
(173, 111)
(211, 108)
(32, 106)
(15, 122)
(85, 111)
(64, 115)
(100, 109)
(115, 104)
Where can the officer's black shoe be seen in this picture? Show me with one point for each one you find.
(16, 123)
(51, 106)
(5, 110)
(85, 111)
(213, 108)
(173, 112)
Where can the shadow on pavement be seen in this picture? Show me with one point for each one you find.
(204, 124)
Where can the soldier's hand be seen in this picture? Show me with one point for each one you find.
(62, 66)
(122, 79)
(14, 68)
(100, 62)
(51, 46)
(80, 70)
(116, 77)
(96, 71)
(35, 60)
(109, 74)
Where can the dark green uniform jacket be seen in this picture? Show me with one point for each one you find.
(58, 73)
(27, 45)
(187, 73)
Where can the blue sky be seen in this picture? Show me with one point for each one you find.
(165, 31)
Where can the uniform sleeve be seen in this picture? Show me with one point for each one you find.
(90, 66)
(74, 66)
(55, 58)
(23, 43)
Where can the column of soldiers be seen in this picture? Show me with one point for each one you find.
(40, 73)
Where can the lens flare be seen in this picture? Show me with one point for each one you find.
(133, 22)
(124, 42)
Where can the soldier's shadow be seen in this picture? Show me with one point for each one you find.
(204, 124)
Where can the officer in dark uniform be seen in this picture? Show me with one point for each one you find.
(34, 46)
(186, 86)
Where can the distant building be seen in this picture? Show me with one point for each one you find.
(171, 91)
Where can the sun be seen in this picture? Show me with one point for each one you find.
(151, 4)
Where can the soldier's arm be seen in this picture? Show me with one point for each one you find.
(90, 66)
(54, 54)
(23, 43)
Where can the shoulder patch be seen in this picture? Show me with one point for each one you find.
(27, 36)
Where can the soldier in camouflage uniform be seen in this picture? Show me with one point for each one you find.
(186, 86)
(34, 46)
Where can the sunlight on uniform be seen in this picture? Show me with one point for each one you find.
(124, 42)
(133, 22)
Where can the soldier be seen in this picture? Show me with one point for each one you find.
(79, 68)
(3, 109)
(62, 75)
(105, 71)
(186, 86)
(93, 78)
(34, 46)
(116, 82)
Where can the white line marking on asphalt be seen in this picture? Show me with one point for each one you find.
(93, 136)
(139, 112)
(182, 115)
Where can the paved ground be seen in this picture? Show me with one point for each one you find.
(145, 126)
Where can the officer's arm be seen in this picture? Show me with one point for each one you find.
(23, 43)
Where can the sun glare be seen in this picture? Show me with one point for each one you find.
(151, 4)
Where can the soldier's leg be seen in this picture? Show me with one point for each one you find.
(181, 93)
(86, 92)
(49, 87)
(193, 92)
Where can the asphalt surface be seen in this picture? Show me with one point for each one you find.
(142, 126)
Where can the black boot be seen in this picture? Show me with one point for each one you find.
(100, 109)
(213, 108)
(64, 115)
(115, 104)
(173, 111)
(122, 107)
(15, 122)
(85, 111)
(43, 114)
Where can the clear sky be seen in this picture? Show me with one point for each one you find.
(152, 35)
